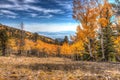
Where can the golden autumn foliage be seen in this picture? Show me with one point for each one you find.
(117, 45)
(12, 44)
(85, 34)
(28, 44)
(78, 48)
(45, 47)
(106, 13)
(75, 48)
(103, 22)
(87, 19)
(66, 49)
(86, 12)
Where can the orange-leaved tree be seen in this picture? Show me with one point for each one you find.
(86, 12)
(65, 49)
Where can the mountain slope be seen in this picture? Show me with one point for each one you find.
(14, 32)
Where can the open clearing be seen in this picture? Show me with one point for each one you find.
(53, 68)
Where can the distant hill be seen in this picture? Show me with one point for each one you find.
(14, 32)
(58, 35)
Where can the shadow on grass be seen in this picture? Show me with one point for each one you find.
(91, 67)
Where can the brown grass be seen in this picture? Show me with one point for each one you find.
(32, 68)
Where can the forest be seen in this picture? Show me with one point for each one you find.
(97, 35)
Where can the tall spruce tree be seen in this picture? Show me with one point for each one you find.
(108, 44)
(66, 39)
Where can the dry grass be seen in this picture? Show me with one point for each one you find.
(32, 68)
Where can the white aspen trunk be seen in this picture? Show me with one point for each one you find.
(90, 50)
(102, 44)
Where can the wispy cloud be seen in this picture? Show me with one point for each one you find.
(31, 1)
(25, 6)
(65, 4)
(34, 15)
(23, 1)
(11, 16)
(7, 12)
(46, 16)
(40, 9)
(22, 6)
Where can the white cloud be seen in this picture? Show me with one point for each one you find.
(30, 1)
(51, 27)
(24, 5)
(7, 12)
(6, 6)
(65, 4)
(39, 16)
(12, 7)
(40, 9)
(27, 7)
(11, 16)
(24, 1)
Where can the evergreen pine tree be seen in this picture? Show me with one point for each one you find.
(66, 40)
(108, 44)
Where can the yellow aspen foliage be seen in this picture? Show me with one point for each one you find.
(107, 8)
(103, 22)
(65, 49)
(117, 45)
(78, 47)
(81, 34)
(39, 45)
(106, 13)
(28, 44)
(86, 13)
(12, 44)
(45, 47)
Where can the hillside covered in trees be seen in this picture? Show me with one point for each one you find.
(97, 37)
(16, 40)
(14, 32)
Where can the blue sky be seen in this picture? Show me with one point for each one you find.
(38, 15)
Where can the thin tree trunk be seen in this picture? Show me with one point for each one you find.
(90, 50)
(102, 45)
